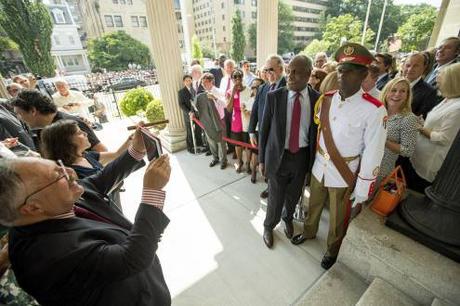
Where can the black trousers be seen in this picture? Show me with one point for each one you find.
(414, 181)
(285, 187)
(228, 127)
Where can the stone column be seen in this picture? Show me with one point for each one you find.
(168, 62)
(438, 24)
(3, 93)
(267, 30)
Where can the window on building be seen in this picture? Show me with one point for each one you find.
(57, 42)
(254, 15)
(223, 17)
(143, 21)
(115, 1)
(254, 2)
(135, 21)
(222, 5)
(58, 15)
(122, 1)
(225, 39)
(108, 21)
(223, 28)
(71, 40)
(130, 2)
(118, 21)
(239, 2)
(243, 14)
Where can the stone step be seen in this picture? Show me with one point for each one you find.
(438, 302)
(338, 286)
(381, 293)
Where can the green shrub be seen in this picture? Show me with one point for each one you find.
(155, 112)
(135, 100)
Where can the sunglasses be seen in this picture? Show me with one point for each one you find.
(235, 77)
(63, 174)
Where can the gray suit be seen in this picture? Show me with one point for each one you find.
(213, 125)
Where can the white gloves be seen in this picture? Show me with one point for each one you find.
(356, 199)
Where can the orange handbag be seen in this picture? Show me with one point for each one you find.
(390, 193)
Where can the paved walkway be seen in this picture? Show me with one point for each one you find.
(212, 252)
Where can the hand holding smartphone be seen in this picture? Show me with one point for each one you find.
(152, 144)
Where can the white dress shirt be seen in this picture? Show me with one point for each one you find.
(444, 122)
(223, 85)
(304, 117)
(220, 101)
(357, 128)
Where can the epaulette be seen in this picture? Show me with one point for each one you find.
(330, 93)
(371, 99)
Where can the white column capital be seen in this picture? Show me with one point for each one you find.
(267, 30)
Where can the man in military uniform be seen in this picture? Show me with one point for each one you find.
(350, 149)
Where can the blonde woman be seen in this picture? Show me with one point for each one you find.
(329, 83)
(438, 131)
(401, 124)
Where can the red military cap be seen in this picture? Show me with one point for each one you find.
(353, 53)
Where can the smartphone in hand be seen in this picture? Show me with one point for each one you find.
(152, 144)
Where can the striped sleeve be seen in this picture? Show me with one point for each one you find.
(135, 154)
(153, 197)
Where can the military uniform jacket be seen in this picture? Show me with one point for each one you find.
(359, 129)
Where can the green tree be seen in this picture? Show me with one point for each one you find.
(416, 31)
(196, 49)
(348, 27)
(114, 51)
(252, 33)
(29, 25)
(238, 38)
(316, 46)
(285, 28)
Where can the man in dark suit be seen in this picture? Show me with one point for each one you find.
(383, 61)
(69, 245)
(287, 144)
(274, 67)
(447, 53)
(218, 72)
(186, 96)
(423, 94)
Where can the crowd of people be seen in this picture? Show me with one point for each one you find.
(382, 112)
(339, 125)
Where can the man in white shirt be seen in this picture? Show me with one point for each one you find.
(349, 160)
(248, 76)
(226, 86)
(71, 101)
(447, 53)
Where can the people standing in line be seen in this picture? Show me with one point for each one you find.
(226, 85)
(274, 69)
(248, 76)
(287, 144)
(424, 96)
(437, 132)
(401, 125)
(350, 150)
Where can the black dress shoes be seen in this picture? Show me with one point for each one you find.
(288, 229)
(268, 238)
(328, 261)
(298, 239)
(213, 163)
(223, 165)
(264, 194)
(208, 153)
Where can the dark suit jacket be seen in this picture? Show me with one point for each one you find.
(218, 75)
(78, 261)
(424, 98)
(185, 98)
(272, 133)
(431, 76)
(382, 82)
(259, 104)
(11, 126)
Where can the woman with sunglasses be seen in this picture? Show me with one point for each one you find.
(236, 105)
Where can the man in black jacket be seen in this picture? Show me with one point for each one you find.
(69, 245)
(424, 96)
(287, 144)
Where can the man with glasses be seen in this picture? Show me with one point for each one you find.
(274, 69)
(70, 245)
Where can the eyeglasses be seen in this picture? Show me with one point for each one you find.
(64, 173)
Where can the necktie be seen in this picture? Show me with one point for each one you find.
(272, 86)
(295, 125)
(84, 213)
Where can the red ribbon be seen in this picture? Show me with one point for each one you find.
(232, 141)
